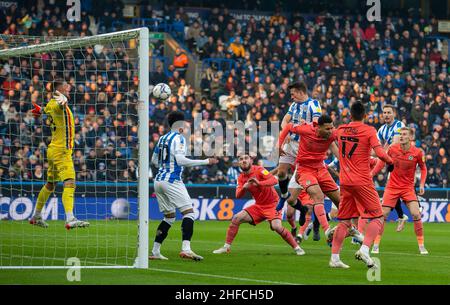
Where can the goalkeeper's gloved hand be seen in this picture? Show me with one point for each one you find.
(390, 167)
(60, 98)
(37, 110)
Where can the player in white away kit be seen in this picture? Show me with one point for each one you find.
(389, 134)
(170, 157)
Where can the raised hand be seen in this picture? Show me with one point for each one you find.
(37, 110)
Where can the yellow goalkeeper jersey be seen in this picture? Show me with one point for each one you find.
(61, 124)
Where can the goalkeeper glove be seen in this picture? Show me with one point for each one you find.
(37, 110)
(390, 167)
(60, 98)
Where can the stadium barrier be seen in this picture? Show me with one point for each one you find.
(95, 200)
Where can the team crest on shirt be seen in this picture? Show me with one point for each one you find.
(410, 158)
(308, 182)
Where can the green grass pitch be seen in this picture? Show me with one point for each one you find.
(259, 256)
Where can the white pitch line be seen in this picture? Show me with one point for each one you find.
(306, 249)
(152, 269)
(223, 277)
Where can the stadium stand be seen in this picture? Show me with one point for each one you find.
(247, 65)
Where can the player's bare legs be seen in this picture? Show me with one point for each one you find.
(339, 235)
(358, 237)
(43, 196)
(318, 198)
(161, 234)
(283, 181)
(290, 215)
(233, 228)
(276, 226)
(402, 217)
(376, 243)
(244, 217)
(308, 215)
(413, 207)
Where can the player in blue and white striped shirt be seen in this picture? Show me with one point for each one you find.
(389, 134)
(170, 157)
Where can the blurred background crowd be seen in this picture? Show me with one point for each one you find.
(342, 58)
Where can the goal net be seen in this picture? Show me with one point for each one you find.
(108, 77)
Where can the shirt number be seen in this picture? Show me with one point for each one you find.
(352, 143)
(163, 156)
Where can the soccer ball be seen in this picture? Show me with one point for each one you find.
(161, 91)
(120, 208)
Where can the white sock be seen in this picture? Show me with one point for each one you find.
(37, 214)
(364, 249)
(69, 216)
(335, 257)
(297, 248)
(156, 248)
(227, 245)
(285, 195)
(186, 245)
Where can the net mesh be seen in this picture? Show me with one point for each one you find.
(104, 102)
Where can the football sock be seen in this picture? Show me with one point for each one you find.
(362, 222)
(378, 238)
(291, 220)
(287, 236)
(162, 231)
(298, 205)
(67, 199)
(233, 229)
(43, 196)
(398, 209)
(283, 184)
(187, 227)
(316, 224)
(339, 236)
(374, 228)
(303, 212)
(418, 229)
(305, 225)
(319, 210)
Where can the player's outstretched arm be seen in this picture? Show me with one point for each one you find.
(378, 166)
(381, 153)
(37, 110)
(183, 161)
(180, 154)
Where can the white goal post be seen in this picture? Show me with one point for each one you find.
(139, 248)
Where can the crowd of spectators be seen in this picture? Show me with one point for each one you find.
(341, 59)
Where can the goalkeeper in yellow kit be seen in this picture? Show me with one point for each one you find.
(59, 156)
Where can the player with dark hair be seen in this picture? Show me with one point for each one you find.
(359, 197)
(312, 173)
(59, 155)
(260, 183)
(170, 157)
(401, 183)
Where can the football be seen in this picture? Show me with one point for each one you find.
(161, 91)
